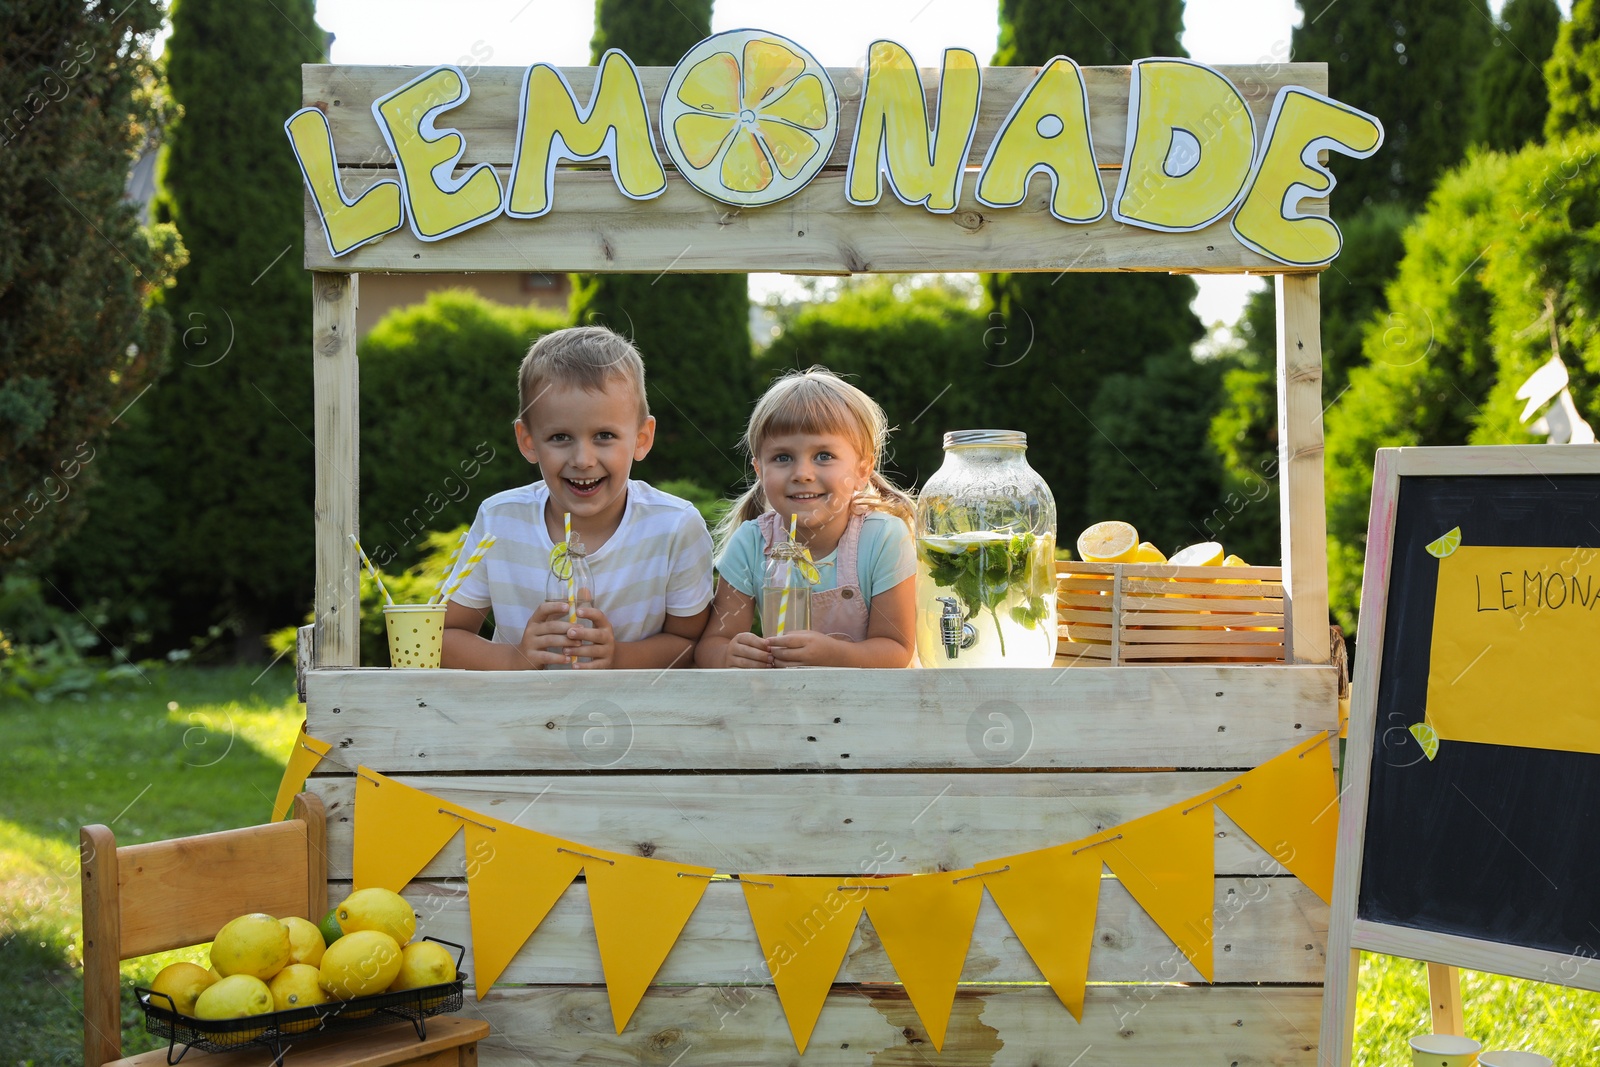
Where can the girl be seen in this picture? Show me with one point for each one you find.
(815, 442)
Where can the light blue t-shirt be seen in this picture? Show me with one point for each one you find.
(885, 557)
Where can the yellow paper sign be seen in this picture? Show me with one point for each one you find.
(1514, 637)
(514, 877)
(1166, 862)
(925, 923)
(308, 752)
(1050, 897)
(1290, 807)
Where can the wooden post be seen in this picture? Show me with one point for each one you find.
(1300, 493)
(102, 943)
(308, 808)
(1444, 1000)
(334, 375)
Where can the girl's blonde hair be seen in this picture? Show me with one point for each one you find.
(818, 401)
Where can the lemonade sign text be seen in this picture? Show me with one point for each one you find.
(748, 118)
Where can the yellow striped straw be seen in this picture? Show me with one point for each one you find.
(387, 599)
(783, 599)
(472, 561)
(572, 596)
(449, 568)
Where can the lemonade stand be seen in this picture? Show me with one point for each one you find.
(1121, 862)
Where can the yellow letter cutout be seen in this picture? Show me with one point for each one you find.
(441, 205)
(1047, 132)
(1303, 123)
(552, 127)
(1191, 140)
(892, 137)
(348, 224)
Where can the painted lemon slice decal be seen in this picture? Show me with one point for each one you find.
(749, 117)
(1426, 738)
(1446, 544)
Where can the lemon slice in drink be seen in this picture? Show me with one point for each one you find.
(749, 117)
(1446, 544)
(1205, 554)
(1427, 738)
(561, 560)
(1108, 542)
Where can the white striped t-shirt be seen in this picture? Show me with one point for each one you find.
(657, 563)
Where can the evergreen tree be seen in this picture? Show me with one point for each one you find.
(1055, 338)
(1148, 467)
(1511, 96)
(77, 342)
(1411, 63)
(1573, 72)
(214, 494)
(693, 330)
(1500, 266)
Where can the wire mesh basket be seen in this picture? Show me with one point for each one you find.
(280, 1029)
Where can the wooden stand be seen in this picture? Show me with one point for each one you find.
(904, 771)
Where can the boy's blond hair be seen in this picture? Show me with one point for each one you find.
(589, 357)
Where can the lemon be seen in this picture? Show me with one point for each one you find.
(749, 117)
(359, 964)
(298, 986)
(235, 997)
(378, 909)
(1148, 553)
(256, 944)
(183, 982)
(1234, 561)
(330, 927)
(424, 963)
(1427, 738)
(1446, 544)
(1205, 554)
(1108, 542)
(216, 975)
(305, 941)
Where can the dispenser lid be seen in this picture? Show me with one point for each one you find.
(1011, 438)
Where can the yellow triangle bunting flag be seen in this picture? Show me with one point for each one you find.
(925, 923)
(397, 829)
(640, 907)
(1050, 898)
(1166, 861)
(514, 877)
(804, 926)
(1290, 807)
(308, 752)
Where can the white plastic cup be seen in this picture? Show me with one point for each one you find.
(1502, 1057)
(1444, 1050)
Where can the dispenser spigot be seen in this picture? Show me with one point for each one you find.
(954, 630)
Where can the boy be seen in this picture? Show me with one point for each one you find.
(584, 421)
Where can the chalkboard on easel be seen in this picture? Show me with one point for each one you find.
(1470, 826)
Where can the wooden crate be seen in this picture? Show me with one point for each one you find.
(809, 772)
(1118, 614)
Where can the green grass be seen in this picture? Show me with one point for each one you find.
(193, 750)
(182, 752)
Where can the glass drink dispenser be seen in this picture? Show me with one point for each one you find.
(986, 545)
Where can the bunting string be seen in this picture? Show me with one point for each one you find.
(1048, 896)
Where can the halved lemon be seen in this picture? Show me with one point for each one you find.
(1446, 544)
(1205, 554)
(1148, 553)
(1427, 738)
(749, 117)
(1108, 542)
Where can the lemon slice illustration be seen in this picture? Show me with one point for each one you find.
(1426, 738)
(749, 117)
(561, 561)
(1446, 544)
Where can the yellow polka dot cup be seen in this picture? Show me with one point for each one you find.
(416, 632)
(1444, 1050)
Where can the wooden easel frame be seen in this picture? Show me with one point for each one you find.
(1348, 935)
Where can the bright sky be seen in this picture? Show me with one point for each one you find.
(837, 32)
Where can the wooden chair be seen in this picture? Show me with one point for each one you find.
(170, 894)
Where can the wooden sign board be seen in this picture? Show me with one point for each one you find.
(593, 226)
(1470, 830)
